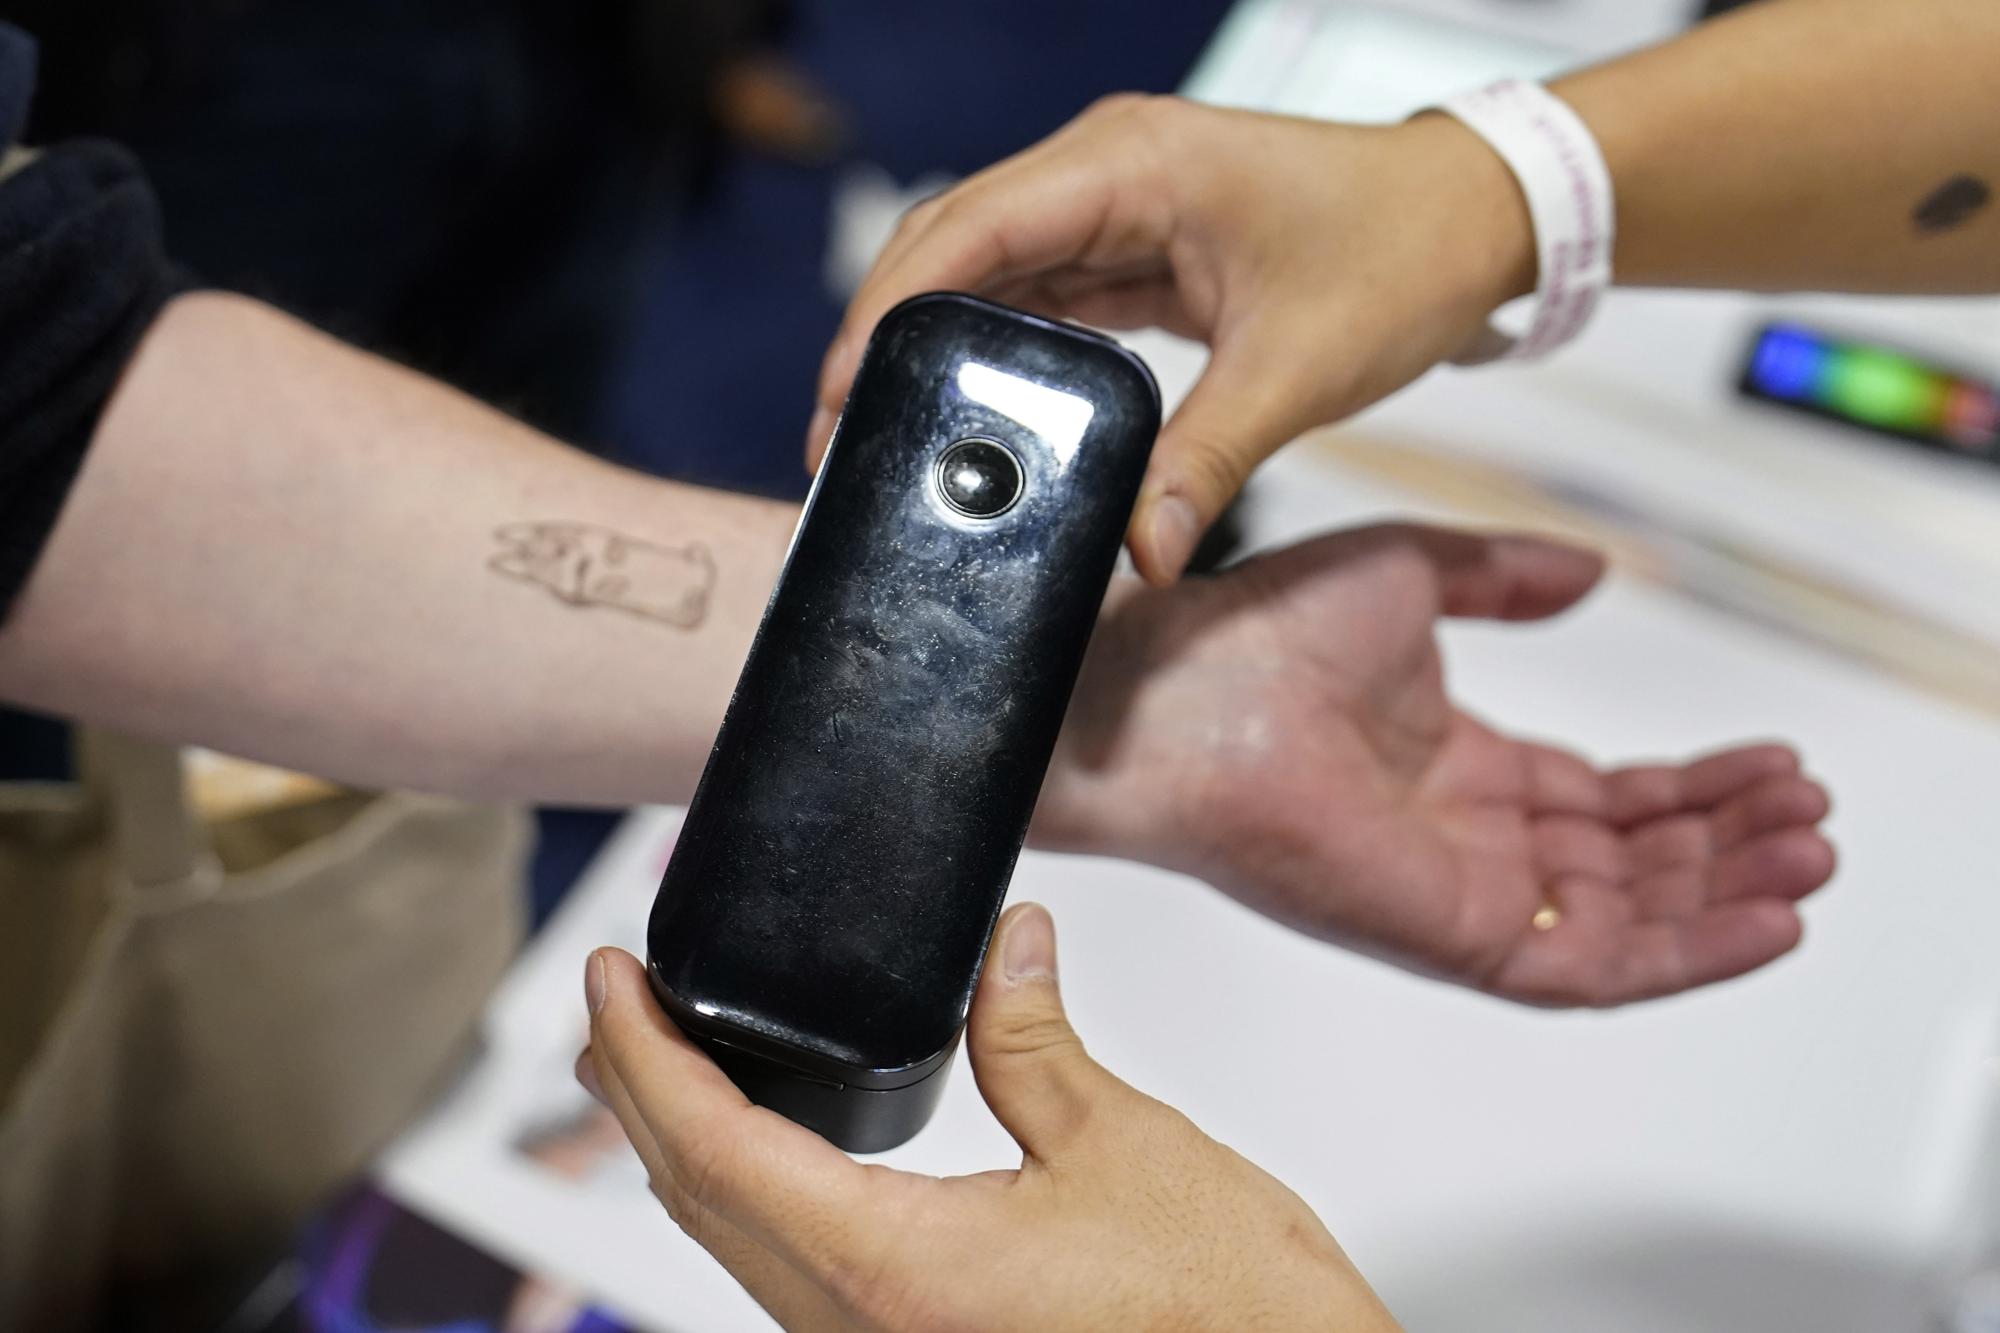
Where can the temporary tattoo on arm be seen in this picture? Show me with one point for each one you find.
(584, 565)
(1952, 204)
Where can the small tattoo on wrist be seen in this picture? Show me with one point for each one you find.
(1952, 204)
(583, 565)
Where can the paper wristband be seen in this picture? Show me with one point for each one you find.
(1561, 170)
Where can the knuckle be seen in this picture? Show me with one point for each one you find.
(941, 204)
(946, 210)
(1114, 104)
(680, 1208)
(1045, 1034)
(918, 216)
(878, 1292)
(873, 1297)
(705, 1174)
(1159, 1130)
(1129, 106)
(1149, 129)
(890, 1286)
(1216, 468)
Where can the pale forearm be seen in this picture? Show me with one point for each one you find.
(1796, 143)
(293, 551)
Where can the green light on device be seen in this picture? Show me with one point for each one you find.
(1885, 390)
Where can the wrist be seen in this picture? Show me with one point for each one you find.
(1489, 243)
(1566, 186)
(1090, 804)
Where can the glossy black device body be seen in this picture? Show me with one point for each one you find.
(822, 923)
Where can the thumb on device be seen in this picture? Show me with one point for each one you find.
(1031, 1066)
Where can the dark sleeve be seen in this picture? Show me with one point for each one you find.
(83, 273)
(17, 82)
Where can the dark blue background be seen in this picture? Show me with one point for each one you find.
(717, 380)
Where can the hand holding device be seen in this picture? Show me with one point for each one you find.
(1122, 1214)
(1325, 266)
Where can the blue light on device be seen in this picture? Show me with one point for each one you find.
(1790, 364)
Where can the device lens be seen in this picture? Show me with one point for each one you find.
(979, 478)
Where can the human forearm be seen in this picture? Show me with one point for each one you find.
(1792, 145)
(1831, 144)
(290, 550)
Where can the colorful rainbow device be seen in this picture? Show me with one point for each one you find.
(1876, 388)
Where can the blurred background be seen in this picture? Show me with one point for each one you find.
(635, 223)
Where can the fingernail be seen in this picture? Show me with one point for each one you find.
(593, 983)
(586, 1074)
(1030, 947)
(1175, 531)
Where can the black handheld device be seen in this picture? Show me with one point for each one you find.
(822, 923)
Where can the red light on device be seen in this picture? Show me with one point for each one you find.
(1972, 418)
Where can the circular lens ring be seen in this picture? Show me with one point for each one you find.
(985, 457)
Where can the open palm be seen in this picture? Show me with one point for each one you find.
(1282, 731)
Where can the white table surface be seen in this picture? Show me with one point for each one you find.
(1805, 1141)
(1812, 1147)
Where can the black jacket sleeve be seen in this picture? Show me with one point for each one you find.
(83, 273)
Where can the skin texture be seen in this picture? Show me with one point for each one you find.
(287, 549)
(1789, 145)
(284, 548)
(1244, 231)
(388, 584)
(1792, 144)
(1125, 1214)
(1321, 762)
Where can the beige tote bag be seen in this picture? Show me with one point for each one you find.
(204, 1027)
